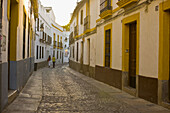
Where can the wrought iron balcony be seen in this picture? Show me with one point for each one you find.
(42, 40)
(126, 3)
(105, 5)
(71, 39)
(59, 45)
(54, 44)
(86, 23)
(75, 31)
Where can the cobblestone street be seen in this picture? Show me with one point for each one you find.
(62, 90)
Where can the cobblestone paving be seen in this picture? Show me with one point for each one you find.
(64, 92)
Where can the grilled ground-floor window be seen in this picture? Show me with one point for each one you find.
(37, 51)
(57, 54)
(40, 52)
(77, 52)
(60, 54)
(107, 47)
(73, 51)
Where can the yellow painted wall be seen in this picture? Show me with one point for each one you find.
(13, 31)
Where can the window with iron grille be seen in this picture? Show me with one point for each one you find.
(57, 54)
(107, 48)
(105, 5)
(37, 24)
(77, 51)
(40, 52)
(60, 54)
(37, 51)
(73, 51)
(81, 17)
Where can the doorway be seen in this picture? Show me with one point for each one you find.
(169, 59)
(88, 42)
(132, 54)
(12, 38)
(82, 51)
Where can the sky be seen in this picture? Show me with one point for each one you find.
(62, 9)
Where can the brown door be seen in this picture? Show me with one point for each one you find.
(169, 56)
(132, 55)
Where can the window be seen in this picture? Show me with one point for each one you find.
(60, 54)
(37, 24)
(43, 35)
(73, 51)
(24, 30)
(77, 51)
(28, 39)
(40, 52)
(81, 19)
(107, 48)
(37, 51)
(57, 54)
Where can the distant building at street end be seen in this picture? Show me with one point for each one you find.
(51, 38)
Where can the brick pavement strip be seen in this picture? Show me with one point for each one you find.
(63, 90)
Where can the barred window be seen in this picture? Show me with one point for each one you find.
(107, 48)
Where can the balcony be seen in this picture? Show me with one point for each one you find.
(105, 8)
(71, 39)
(86, 23)
(59, 45)
(75, 31)
(54, 44)
(126, 3)
(42, 40)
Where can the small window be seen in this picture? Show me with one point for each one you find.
(40, 52)
(57, 54)
(81, 19)
(107, 47)
(37, 51)
(38, 24)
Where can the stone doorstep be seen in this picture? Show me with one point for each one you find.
(12, 94)
(165, 104)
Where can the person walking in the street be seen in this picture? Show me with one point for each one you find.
(49, 61)
(53, 59)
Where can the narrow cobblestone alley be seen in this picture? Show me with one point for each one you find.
(62, 90)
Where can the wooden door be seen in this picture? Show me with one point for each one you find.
(169, 56)
(132, 55)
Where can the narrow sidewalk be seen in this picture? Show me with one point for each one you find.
(29, 98)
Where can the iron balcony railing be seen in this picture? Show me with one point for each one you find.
(75, 31)
(54, 44)
(86, 23)
(59, 45)
(71, 39)
(105, 5)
